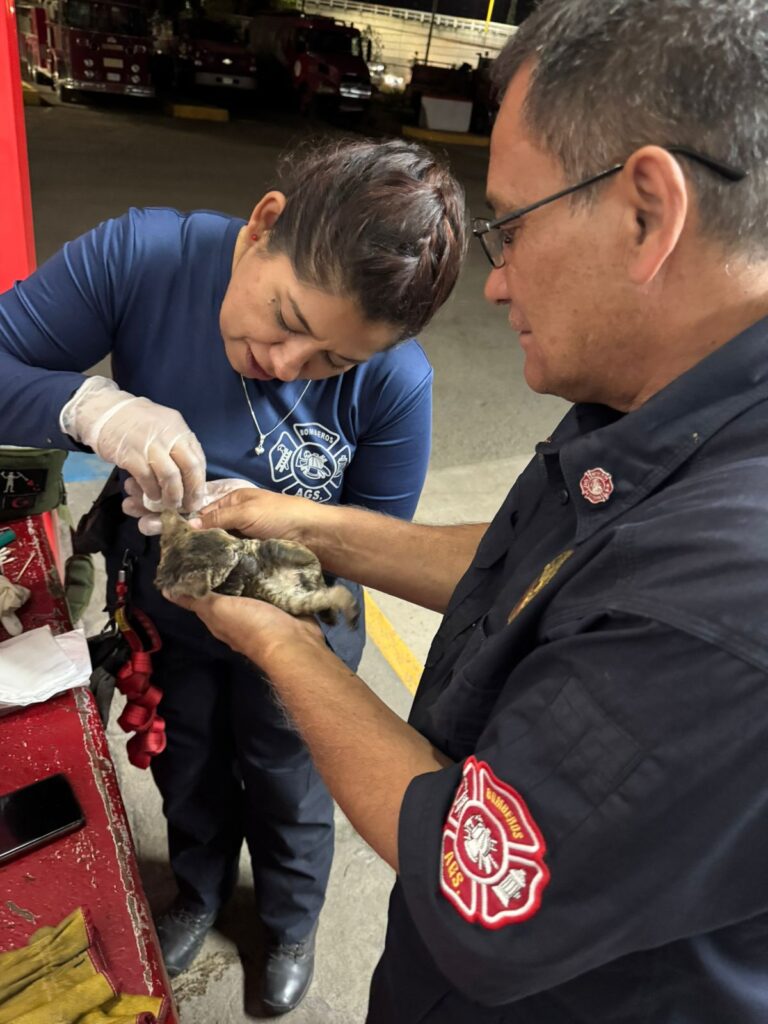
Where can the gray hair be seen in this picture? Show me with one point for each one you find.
(613, 75)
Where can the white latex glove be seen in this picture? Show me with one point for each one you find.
(12, 597)
(136, 503)
(152, 442)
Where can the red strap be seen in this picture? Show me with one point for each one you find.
(139, 715)
(143, 746)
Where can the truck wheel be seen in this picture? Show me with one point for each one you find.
(183, 79)
(162, 73)
(67, 95)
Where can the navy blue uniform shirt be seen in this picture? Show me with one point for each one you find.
(599, 853)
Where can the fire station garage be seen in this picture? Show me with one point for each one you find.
(336, 340)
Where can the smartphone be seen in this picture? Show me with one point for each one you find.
(37, 814)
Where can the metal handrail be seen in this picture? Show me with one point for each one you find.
(471, 25)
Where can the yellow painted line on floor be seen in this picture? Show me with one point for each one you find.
(30, 95)
(195, 113)
(397, 653)
(449, 138)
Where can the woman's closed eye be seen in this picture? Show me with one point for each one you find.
(343, 365)
(282, 324)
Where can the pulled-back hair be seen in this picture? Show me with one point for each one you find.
(613, 75)
(380, 222)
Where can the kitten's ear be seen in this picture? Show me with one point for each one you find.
(226, 560)
(174, 527)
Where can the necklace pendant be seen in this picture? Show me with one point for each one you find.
(259, 449)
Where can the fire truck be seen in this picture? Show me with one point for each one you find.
(322, 60)
(194, 50)
(86, 46)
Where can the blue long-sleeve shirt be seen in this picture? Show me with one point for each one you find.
(146, 288)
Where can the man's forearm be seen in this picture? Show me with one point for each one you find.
(366, 755)
(421, 564)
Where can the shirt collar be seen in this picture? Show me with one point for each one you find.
(610, 461)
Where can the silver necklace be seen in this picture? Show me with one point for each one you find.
(259, 449)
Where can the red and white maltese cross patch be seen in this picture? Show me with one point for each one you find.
(596, 485)
(492, 868)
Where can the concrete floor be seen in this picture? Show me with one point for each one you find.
(90, 163)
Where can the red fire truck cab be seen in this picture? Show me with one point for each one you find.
(87, 46)
(322, 59)
(195, 50)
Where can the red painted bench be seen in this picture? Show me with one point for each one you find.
(96, 866)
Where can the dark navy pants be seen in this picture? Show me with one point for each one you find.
(235, 769)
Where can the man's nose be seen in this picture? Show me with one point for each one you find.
(290, 357)
(495, 289)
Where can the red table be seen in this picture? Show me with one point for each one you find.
(95, 867)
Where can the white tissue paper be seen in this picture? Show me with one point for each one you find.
(38, 665)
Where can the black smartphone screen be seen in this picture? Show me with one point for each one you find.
(37, 814)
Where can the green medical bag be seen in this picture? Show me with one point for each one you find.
(31, 481)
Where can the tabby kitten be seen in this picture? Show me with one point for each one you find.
(288, 575)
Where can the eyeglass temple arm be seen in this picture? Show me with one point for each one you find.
(489, 225)
(726, 170)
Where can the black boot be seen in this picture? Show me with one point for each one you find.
(288, 973)
(182, 930)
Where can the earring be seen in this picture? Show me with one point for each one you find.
(254, 238)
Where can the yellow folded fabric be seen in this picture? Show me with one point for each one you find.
(69, 1005)
(48, 948)
(126, 1010)
(59, 978)
(56, 987)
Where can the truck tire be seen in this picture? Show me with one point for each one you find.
(67, 95)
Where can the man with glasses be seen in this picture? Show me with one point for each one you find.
(578, 807)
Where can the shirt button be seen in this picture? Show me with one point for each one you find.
(564, 496)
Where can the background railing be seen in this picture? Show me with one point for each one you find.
(400, 35)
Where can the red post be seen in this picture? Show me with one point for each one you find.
(17, 245)
(17, 242)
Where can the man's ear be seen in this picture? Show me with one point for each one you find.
(264, 215)
(656, 194)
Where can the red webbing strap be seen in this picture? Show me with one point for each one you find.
(139, 715)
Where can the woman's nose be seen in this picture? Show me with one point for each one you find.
(496, 290)
(290, 357)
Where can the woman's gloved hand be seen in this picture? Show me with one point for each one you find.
(137, 504)
(152, 442)
(12, 597)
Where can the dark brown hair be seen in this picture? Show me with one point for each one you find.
(381, 222)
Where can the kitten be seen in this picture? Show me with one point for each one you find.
(288, 575)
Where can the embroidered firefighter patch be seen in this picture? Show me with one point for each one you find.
(596, 485)
(492, 868)
(546, 576)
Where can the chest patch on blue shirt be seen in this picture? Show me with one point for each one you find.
(492, 864)
(309, 461)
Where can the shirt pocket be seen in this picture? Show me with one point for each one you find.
(565, 754)
(462, 709)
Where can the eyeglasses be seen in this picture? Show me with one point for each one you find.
(493, 239)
